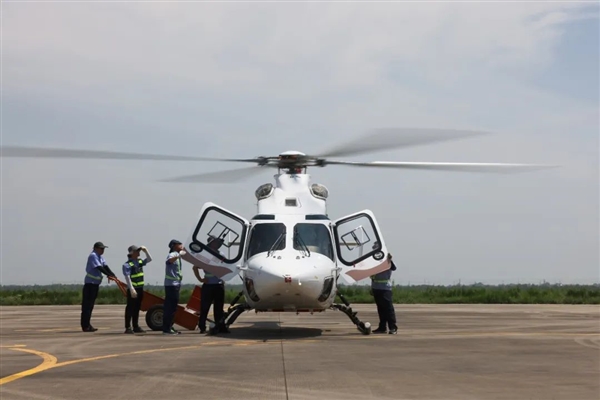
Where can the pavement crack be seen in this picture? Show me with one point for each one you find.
(287, 395)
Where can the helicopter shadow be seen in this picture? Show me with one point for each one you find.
(270, 330)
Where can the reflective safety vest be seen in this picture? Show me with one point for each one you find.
(177, 276)
(379, 280)
(382, 280)
(212, 279)
(98, 278)
(137, 273)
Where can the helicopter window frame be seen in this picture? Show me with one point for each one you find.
(224, 231)
(357, 241)
(203, 247)
(338, 244)
(254, 234)
(304, 244)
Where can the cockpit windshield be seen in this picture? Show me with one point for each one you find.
(266, 237)
(315, 238)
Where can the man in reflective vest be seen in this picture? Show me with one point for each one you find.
(381, 286)
(133, 270)
(213, 292)
(95, 267)
(173, 279)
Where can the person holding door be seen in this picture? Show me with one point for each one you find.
(213, 292)
(381, 286)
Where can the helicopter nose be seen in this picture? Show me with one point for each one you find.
(284, 284)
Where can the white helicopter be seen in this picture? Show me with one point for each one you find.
(290, 255)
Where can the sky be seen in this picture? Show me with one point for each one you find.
(249, 79)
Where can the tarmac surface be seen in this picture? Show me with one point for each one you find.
(441, 352)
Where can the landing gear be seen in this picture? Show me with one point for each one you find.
(229, 316)
(363, 327)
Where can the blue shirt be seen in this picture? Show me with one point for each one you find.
(211, 279)
(93, 275)
(382, 280)
(173, 270)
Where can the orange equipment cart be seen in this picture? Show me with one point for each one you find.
(152, 304)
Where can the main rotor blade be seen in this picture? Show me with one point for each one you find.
(391, 138)
(231, 175)
(448, 166)
(40, 152)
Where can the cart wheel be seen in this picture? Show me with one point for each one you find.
(154, 317)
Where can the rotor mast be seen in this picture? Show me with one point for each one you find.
(293, 193)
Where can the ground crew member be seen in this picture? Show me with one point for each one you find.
(213, 292)
(133, 270)
(173, 279)
(95, 267)
(381, 286)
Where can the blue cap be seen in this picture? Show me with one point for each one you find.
(173, 243)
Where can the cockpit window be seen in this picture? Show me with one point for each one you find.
(314, 237)
(266, 237)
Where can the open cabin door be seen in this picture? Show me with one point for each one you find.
(360, 247)
(217, 242)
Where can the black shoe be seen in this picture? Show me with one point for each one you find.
(138, 330)
(128, 330)
(380, 330)
(89, 329)
(202, 330)
(393, 331)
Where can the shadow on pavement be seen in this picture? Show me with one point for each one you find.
(269, 330)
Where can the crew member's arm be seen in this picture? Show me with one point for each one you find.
(148, 256)
(175, 255)
(127, 274)
(197, 273)
(106, 271)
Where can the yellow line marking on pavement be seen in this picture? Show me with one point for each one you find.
(80, 360)
(49, 362)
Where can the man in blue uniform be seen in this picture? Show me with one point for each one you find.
(173, 279)
(381, 286)
(213, 292)
(133, 270)
(95, 267)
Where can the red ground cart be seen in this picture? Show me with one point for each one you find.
(152, 304)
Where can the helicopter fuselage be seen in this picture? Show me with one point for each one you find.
(290, 255)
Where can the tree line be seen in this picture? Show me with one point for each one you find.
(58, 294)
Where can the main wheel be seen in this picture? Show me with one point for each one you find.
(154, 317)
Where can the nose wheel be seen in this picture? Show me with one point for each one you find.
(363, 327)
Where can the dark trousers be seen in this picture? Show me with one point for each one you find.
(170, 306)
(211, 294)
(385, 309)
(132, 310)
(89, 295)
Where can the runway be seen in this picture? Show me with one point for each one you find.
(448, 352)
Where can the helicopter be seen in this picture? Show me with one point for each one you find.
(291, 255)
